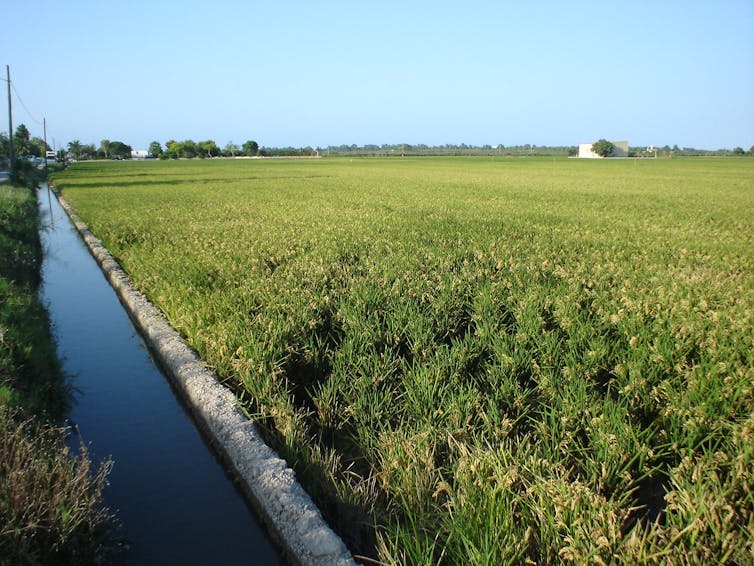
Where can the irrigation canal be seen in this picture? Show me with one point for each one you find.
(173, 497)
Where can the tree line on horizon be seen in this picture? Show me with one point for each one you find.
(186, 149)
(514, 150)
(24, 144)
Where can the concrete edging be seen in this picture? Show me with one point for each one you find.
(265, 478)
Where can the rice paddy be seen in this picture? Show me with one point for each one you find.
(471, 360)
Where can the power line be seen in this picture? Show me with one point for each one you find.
(39, 122)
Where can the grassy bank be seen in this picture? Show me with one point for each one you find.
(50, 508)
(479, 361)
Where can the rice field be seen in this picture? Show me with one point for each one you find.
(471, 360)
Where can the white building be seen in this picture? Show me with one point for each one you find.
(620, 149)
(139, 154)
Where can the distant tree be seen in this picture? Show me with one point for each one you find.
(155, 149)
(251, 148)
(74, 147)
(4, 146)
(89, 151)
(104, 147)
(602, 147)
(38, 147)
(208, 149)
(189, 149)
(168, 153)
(120, 150)
(173, 148)
(22, 140)
(738, 151)
(186, 148)
(231, 149)
(751, 150)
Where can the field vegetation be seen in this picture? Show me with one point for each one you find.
(472, 360)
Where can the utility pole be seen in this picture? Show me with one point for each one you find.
(47, 173)
(10, 123)
(44, 129)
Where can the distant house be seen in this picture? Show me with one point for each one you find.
(139, 154)
(620, 149)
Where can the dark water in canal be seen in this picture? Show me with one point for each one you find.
(173, 497)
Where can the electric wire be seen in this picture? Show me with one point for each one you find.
(21, 100)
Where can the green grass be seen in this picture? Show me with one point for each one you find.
(472, 360)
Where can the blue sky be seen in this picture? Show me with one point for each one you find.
(320, 73)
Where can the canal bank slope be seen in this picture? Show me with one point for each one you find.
(265, 478)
